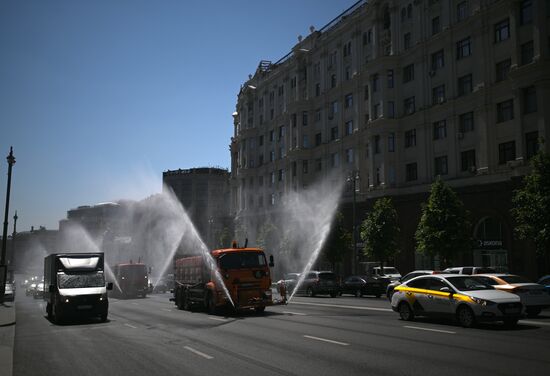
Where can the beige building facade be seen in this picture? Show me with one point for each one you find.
(396, 93)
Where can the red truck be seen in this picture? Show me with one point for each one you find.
(244, 272)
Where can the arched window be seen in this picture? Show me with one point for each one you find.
(387, 21)
(403, 14)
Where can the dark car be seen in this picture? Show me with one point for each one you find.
(545, 281)
(360, 285)
(316, 282)
(405, 278)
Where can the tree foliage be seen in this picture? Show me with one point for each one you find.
(531, 209)
(339, 241)
(444, 228)
(380, 231)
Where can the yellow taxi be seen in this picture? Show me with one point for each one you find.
(468, 299)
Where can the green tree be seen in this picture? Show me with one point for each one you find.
(380, 231)
(531, 209)
(339, 241)
(444, 228)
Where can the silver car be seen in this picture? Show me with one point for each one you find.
(469, 299)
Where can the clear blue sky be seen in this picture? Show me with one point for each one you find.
(99, 97)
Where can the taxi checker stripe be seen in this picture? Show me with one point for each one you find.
(432, 292)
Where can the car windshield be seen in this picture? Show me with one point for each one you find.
(467, 283)
(242, 260)
(514, 279)
(80, 280)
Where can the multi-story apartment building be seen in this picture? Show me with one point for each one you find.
(399, 92)
(204, 194)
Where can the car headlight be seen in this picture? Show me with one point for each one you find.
(66, 300)
(103, 297)
(482, 302)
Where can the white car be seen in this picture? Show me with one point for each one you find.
(469, 299)
(389, 271)
(533, 295)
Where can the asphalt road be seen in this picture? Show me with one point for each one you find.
(310, 336)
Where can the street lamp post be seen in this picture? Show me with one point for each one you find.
(11, 161)
(12, 257)
(353, 178)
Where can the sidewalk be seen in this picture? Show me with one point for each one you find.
(7, 337)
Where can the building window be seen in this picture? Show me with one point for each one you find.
(529, 100)
(391, 142)
(347, 49)
(436, 25)
(440, 164)
(304, 118)
(318, 139)
(466, 122)
(305, 166)
(440, 130)
(281, 175)
(410, 138)
(390, 78)
(376, 111)
(271, 155)
(260, 159)
(375, 79)
(294, 168)
(349, 127)
(261, 140)
(272, 175)
(465, 85)
(526, 12)
(411, 171)
(391, 109)
(531, 144)
(506, 152)
(348, 73)
(366, 93)
(334, 160)
(305, 141)
(349, 156)
(502, 31)
(332, 80)
(408, 104)
(463, 48)
(407, 41)
(438, 94)
(376, 144)
(317, 89)
(527, 53)
(318, 164)
(271, 135)
(408, 73)
(272, 201)
(409, 11)
(505, 111)
(438, 60)
(462, 11)
(334, 133)
(502, 70)
(468, 160)
(348, 101)
(317, 115)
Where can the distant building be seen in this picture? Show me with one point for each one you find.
(204, 193)
(403, 92)
(26, 253)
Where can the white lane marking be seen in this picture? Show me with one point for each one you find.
(135, 303)
(534, 322)
(295, 313)
(346, 306)
(217, 318)
(327, 340)
(430, 330)
(206, 356)
(167, 310)
(131, 326)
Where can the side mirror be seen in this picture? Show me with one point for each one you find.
(110, 286)
(271, 262)
(51, 288)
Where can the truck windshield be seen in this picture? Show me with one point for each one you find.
(80, 280)
(242, 260)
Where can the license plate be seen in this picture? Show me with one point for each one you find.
(84, 307)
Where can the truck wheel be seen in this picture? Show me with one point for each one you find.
(103, 317)
(49, 311)
(465, 317)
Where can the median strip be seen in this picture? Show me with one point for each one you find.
(429, 330)
(327, 340)
(206, 356)
(345, 306)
